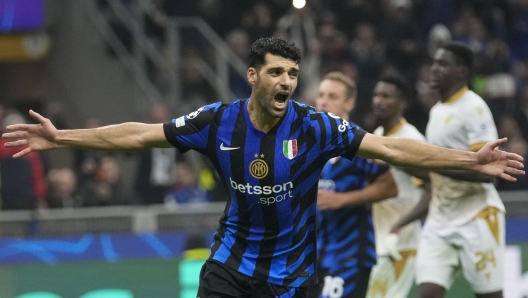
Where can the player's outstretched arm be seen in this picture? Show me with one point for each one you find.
(120, 137)
(409, 153)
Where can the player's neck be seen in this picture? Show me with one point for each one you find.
(446, 94)
(389, 124)
(260, 119)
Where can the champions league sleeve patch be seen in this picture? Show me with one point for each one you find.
(180, 121)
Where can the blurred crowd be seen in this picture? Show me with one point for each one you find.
(364, 39)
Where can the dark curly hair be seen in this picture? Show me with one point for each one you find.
(275, 46)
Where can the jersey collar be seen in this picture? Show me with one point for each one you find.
(457, 95)
(396, 128)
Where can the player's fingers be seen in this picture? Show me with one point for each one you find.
(22, 153)
(515, 164)
(497, 143)
(513, 156)
(513, 171)
(508, 177)
(15, 135)
(14, 127)
(37, 116)
(16, 143)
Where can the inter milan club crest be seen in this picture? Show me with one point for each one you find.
(258, 168)
(289, 148)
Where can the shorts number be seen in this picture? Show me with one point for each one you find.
(333, 287)
(485, 257)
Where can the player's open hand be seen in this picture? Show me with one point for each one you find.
(498, 163)
(36, 137)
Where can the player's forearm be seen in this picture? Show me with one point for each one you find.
(410, 153)
(466, 175)
(382, 188)
(120, 137)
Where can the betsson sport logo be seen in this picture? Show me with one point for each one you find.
(258, 168)
(278, 192)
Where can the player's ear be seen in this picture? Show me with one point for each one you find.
(463, 72)
(403, 105)
(350, 104)
(252, 75)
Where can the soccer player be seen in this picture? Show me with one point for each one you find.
(345, 236)
(393, 275)
(464, 229)
(269, 151)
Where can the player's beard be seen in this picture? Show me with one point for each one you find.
(265, 100)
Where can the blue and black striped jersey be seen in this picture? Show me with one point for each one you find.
(268, 230)
(346, 235)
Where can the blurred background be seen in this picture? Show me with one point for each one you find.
(76, 223)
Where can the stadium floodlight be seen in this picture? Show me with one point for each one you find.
(299, 3)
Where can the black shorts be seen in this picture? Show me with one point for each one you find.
(355, 285)
(219, 281)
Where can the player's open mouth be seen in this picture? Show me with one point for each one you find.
(280, 99)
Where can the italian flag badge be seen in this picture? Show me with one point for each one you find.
(289, 148)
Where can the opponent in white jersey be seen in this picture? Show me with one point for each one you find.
(393, 274)
(465, 225)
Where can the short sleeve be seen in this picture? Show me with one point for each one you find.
(336, 136)
(480, 127)
(191, 131)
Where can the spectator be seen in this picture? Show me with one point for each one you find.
(238, 41)
(258, 21)
(107, 188)
(369, 56)
(154, 174)
(62, 189)
(86, 161)
(401, 35)
(521, 113)
(185, 188)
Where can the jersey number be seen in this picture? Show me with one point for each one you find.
(333, 287)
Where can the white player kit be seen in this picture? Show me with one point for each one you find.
(465, 225)
(390, 278)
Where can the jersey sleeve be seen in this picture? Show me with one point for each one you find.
(479, 126)
(336, 136)
(191, 131)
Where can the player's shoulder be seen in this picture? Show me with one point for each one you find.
(410, 131)
(471, 98)
(473, 105)
(302, 110)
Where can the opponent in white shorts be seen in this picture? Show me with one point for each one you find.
(464, 230)
(393, 275)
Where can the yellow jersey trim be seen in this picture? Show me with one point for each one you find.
(457, 95)
(490, 216)
(396, 127)
(477, 146)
